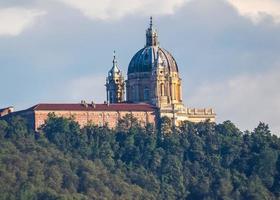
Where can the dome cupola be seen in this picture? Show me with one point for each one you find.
(146, 58)
(153, 74)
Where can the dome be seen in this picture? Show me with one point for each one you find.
(146, 58)
(151, 55)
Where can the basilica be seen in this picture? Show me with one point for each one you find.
(153, 78)
(152, 89)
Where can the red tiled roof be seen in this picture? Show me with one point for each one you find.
(95, 107)
(3, 109)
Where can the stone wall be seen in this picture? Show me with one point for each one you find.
(99, 118)
(6, 111)
(200, 115)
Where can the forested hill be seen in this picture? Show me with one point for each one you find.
(194, 161)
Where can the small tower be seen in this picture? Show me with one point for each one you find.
(151, 35)
(115, 84)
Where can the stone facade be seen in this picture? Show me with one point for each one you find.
(97, 114)
(153, 77)
(195, 115)
(6, 111)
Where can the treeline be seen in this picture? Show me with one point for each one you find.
(193, 161)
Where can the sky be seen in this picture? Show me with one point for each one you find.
(60, 51)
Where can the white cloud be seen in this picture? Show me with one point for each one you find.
(246, 100)
(115, 9)
(14, 21)
(258, 9)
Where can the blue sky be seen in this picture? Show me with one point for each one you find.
(227, 51)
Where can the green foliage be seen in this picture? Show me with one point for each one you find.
(193, 161)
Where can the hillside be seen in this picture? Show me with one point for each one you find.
(194, 161)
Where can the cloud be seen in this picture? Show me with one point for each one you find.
(245, 99)
(13, 21)
(112, 9)
(257, 10)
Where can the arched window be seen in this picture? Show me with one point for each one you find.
(112, 97)
(134, 93)
(162, 93)
(175, 91)
(178, 92)
(146, 94)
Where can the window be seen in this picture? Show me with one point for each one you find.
(146, 94)
(162, 89)
(112, 97)
(134, 94)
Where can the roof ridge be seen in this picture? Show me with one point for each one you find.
(97, 107)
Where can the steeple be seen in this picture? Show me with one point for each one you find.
(115, 70)
(151, 35)
(115, 83)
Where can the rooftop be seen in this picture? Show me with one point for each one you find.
(3, 109)
(93, 107)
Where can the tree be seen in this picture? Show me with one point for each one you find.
(127, 123)
(63, 132)
(193, 161)
(3, 128)
(262, 129)
(17, 128)
(165, 125)
(256, 190)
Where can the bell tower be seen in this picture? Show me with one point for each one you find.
(115, 84)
